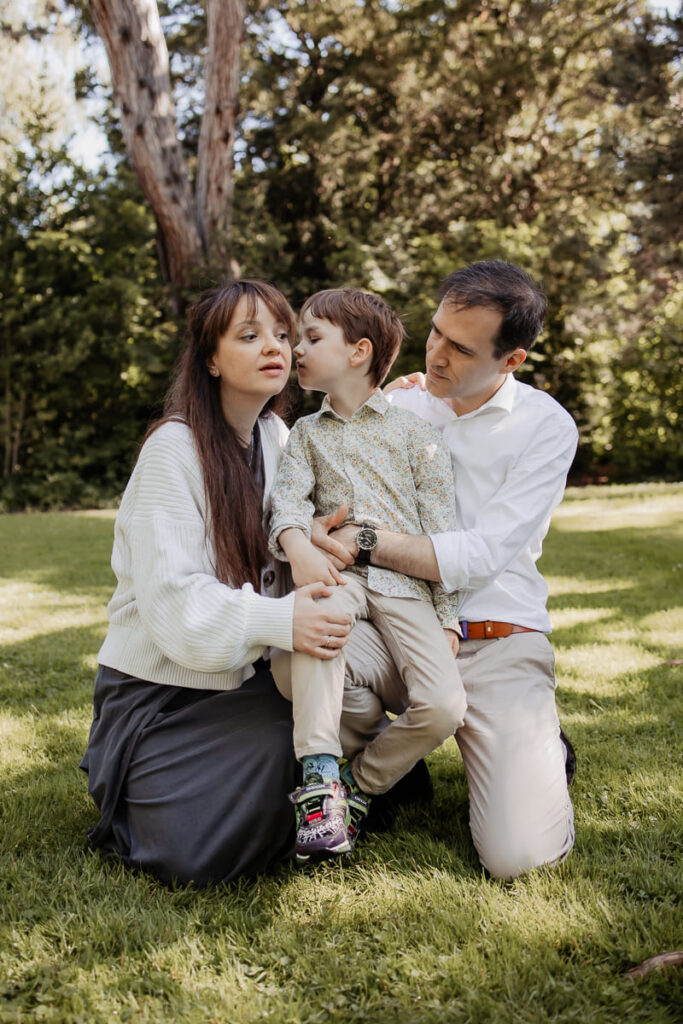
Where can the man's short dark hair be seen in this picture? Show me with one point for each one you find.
(506, 288)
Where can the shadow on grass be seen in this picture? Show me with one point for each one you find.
(47, 672)
(600, 554)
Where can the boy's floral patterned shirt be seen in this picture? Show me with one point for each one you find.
(389, 466)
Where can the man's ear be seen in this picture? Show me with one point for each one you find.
(362, 349)
(514, 359)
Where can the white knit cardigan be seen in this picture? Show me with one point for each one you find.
(170, 620)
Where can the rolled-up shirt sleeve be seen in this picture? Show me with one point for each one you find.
(506, 524)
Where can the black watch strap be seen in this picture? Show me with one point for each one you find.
(366, 542)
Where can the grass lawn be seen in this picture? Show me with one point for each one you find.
(410, 929)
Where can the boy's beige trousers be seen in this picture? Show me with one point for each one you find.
(433, 695)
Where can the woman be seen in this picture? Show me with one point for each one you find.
(190, 752)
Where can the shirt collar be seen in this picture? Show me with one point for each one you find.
(377, 402)
(503, 398)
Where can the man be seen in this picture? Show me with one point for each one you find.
(512, 446)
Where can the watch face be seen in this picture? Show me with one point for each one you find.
(366, 539)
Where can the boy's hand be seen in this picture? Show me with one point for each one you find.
(307, 563)
(453, 640)
(313, 567)
(409, 381)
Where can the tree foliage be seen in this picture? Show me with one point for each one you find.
(86, 347)
(380, 144)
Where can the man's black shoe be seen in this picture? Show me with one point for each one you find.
(570, 759)
(414, 788)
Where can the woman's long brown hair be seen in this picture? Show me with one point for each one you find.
(234, 501)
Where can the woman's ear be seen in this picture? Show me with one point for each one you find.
(362, 350)
(212, 368)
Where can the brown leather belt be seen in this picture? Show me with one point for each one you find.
(488, 630)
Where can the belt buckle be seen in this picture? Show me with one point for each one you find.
(463, 627)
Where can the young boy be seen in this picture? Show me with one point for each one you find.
(394, 472)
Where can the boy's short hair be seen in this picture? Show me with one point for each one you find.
(361, 315)
(506, 288)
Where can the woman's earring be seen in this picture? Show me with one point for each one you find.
(213, 371)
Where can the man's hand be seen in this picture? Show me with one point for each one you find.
(409, 381)
(336, 549)
(453, 640)
(345, 537)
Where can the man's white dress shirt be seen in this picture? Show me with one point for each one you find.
(510, 457)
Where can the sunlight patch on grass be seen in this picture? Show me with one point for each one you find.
(566, 617)
(89, 662)
(18, 744)
(664, 627)
(610, 510)
(94, 513)
(594, 664)
(559, 586)
(29, 611)
(20, 751)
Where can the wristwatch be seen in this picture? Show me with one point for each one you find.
(366, 539)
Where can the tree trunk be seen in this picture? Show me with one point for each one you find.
(138, 58)
(225, 22)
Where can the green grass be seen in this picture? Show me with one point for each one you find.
(410, 930)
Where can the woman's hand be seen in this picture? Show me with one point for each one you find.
(316, 630)
(338, 555)
(409, 381)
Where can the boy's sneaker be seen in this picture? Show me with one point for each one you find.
(358, 804)
(321, 815)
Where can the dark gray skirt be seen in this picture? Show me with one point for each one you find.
(192, 784)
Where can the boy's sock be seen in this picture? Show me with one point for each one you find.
(319, 764)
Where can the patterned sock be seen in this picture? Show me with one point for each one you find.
(320, 764)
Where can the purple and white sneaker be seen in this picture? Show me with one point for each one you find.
(321, 814)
